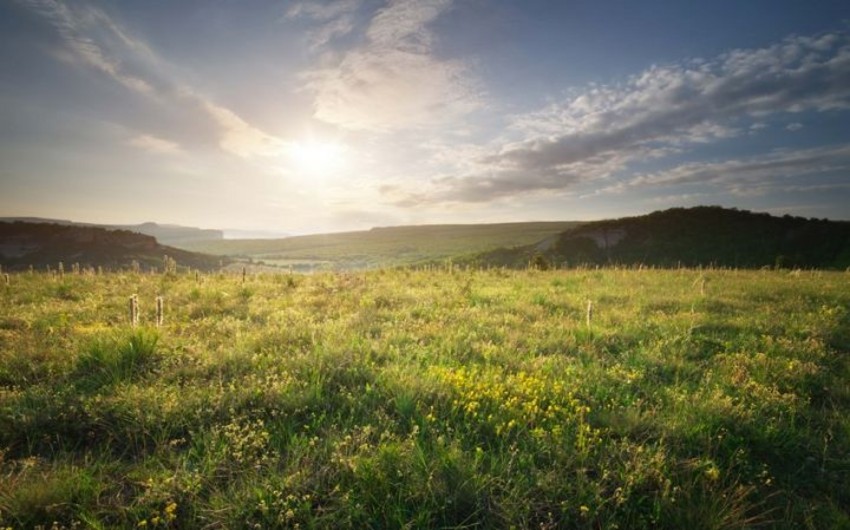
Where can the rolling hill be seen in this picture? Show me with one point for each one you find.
(24, 244)
(166, 234)
(699, 236)
(382, 246)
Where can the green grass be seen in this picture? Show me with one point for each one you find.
(427, 399)
(381, 247)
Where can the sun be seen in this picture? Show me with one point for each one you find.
(317, 157)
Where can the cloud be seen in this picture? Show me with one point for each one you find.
(336, 19)
(792, 127)
(752, 175)
(74, 28)
(393, 80)
(323, 11)
(238, 137)
(95, 40)
(661, 111)
(154, 144)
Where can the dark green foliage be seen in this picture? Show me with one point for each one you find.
(119, 358)
(42, 245)
(693, 237)
(540, 262)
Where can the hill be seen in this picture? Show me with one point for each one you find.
(167, 234)
(41, 244)
(382, 246)
(174, 235)
(700, 236)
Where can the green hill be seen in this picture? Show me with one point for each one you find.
(700, 236)
(384, 246)
(24, 244)
(166, 234)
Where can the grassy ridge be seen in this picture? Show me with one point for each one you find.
(388, 399)
(384, 246)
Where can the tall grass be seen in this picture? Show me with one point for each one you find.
(462, 399)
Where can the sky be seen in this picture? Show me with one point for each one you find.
(317, 116)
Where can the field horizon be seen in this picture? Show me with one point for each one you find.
(694, 236)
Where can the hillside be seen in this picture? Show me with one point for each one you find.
(166, 234)
(705, 235)
(383, 246)
(173, 235)
(40, 244)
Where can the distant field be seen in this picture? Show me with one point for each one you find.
(413, 399)
(383, 246)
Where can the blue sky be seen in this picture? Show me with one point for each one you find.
(324, 116)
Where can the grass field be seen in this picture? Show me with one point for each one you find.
(382, 247)
(427, 399)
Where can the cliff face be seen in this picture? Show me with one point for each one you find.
(39, 244)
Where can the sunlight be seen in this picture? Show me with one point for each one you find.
(317, 157)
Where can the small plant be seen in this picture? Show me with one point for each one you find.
(540, 262)
(116, 358)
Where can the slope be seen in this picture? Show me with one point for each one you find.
(699, 236)
(39, 245)
(383, 246)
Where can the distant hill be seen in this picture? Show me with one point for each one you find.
(383, 246)
(174, 235)
(704, 235)
(167, 234)
(40, 244)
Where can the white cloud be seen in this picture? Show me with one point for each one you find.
(96, 41)
(660, 111)
(393, 81)
(323, 11)
(237, 136)
(74, 27)
(154, 144)
(335, 19)
(793, 127)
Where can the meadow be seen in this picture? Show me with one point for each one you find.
(382, 247)
(611, 398)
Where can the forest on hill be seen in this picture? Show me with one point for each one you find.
(692, 237)
(38, 245)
